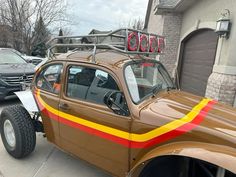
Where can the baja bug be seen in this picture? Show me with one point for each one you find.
(113, 105)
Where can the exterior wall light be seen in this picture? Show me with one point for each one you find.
(223, 24)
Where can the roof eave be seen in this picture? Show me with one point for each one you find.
(179, 7)
(149, 7)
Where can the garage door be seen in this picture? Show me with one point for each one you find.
(197, 61)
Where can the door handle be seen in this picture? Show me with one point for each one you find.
(64, 106)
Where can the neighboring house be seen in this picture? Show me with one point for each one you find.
(89, 40)
(206, 64)
(103, 40)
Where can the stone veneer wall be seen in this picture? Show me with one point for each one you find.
(222, 87)
(171, 30)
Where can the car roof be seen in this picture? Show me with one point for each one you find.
(102, 57)
(9, 49)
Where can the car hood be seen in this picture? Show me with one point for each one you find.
(16, 68)
(192, 118)
(32, 57)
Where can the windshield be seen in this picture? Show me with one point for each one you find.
(9, 57)
(145, 78)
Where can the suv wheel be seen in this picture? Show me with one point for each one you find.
(17, 131)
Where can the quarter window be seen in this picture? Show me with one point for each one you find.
(49, 78)
(89, 84)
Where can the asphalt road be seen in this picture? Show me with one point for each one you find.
(45, 161)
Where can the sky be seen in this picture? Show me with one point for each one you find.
(103, 14)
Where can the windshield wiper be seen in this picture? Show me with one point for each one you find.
(158, 88)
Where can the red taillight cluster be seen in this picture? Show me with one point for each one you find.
(144, 42)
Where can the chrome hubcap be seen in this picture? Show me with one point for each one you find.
(9, 133)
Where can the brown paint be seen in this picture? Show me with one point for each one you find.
(216, 135)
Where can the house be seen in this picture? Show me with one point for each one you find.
(90, 40)
(205, 62)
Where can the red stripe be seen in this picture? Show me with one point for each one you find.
(129, 143)
(45, 111)
(89, 130)
(95, 132)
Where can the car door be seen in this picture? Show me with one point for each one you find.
(88, 128)
(46, 89)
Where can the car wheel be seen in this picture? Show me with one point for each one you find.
(17, 131)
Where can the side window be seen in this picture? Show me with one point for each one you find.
(105, 81)
(89, 84)
(49, 78)
(79, 81)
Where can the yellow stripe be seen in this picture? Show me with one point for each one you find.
(126, 135)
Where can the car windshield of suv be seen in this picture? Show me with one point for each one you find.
(145, 78)
(9, 57)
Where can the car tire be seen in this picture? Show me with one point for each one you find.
(17, 131)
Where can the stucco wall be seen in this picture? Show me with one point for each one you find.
(202, 14)
(205, 13)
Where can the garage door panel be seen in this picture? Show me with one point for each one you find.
(195, 71)
(199, 47)
(197, 61)
(204, 70)
(198, 87)
(197, 82)
(191, 78)
(206, 53)
(202, 55)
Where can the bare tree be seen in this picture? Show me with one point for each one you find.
(4, 36)
(22, 16)
(137, 24)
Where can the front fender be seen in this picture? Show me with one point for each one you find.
(28, 101)
(222, 156)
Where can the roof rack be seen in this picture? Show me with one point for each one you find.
(124, 40)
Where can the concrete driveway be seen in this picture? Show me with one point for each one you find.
(45, 161)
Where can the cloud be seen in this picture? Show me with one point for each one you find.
(104, 14)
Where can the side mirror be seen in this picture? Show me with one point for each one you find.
(115, 100)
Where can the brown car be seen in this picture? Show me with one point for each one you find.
(118, 109)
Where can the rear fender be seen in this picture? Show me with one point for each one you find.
(28, 101)
(222, 156)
